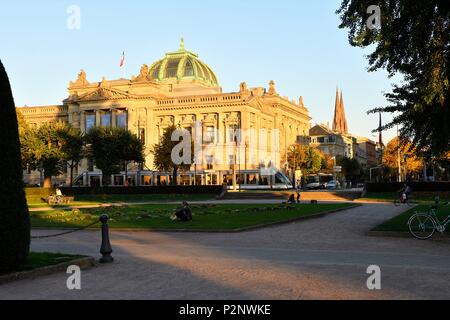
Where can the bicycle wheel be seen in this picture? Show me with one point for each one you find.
(410, 203)
(397, 202)
(422, 226)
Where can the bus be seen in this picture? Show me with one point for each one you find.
(245, 179)
(318, 181)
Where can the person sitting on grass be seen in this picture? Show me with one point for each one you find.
(184, 214)
(291, 199)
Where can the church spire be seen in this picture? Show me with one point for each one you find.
(339, 121)
(336, 113)
(343, 117)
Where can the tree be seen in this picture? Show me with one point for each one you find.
(129, 147)
(109, 148)
(413, 41)
(327, 165)
(351, 168)
(163, 155)
(14, 217)
(42, 150)
(408, 158)
(305, 158)
(72, 142)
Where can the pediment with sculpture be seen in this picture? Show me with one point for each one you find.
(103, 93)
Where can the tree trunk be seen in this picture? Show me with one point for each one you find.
(106, 179)
(47, 182)
(126, 174)
(174, 176)
(71, 175)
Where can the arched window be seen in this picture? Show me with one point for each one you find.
(189, 69)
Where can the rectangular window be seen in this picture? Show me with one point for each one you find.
(118, 180)
(209, 162)
(90, 121)
(209, 135)
(228, 179)
(252, 179)
(146, 180)
(233, 134)
(105, 119)
(121, 119)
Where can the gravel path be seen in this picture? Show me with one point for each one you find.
(324, 258)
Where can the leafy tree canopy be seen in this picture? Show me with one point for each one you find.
(163, 154)
(405, 149)
(414, 41)
(109, 148)
(305, 158)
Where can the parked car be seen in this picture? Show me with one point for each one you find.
(333, 184)
(313, 185)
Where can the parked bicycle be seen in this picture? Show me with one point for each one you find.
(423, 225)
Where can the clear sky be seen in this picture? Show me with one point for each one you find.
(296, 43)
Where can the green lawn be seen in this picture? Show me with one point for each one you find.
(42, 259)
(85, 200)
(424, 197)
(205, 217)
(399, 223)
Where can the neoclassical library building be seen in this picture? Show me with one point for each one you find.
(182, 90)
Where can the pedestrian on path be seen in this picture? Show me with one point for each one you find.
(297, 190)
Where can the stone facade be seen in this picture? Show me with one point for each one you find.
(180, 90)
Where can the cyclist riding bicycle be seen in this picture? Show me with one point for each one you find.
(405, 193)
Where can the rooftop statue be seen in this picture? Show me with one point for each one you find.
(243, 87)
(300, 102)
(272, 90)
(143, 74)
(81, 80)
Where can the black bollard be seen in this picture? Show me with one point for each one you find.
(105, 249)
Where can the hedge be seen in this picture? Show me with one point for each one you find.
(416, 186)
(42, 192)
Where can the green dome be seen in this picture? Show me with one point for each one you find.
(182, 66)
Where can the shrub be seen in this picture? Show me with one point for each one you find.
(14, 218)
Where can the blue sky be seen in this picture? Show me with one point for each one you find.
(295, 43)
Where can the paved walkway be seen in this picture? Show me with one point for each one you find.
(322, 258)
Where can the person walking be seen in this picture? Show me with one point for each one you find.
(297, 190)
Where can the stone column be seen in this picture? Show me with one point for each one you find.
(113, 118)
(130, 116)
(83, 121)
(97, 118)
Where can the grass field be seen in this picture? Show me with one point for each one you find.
(85, 200)
(37, 260)
(399, 223)
(205, 217)
(424, 197)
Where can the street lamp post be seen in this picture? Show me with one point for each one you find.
(334, 168)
